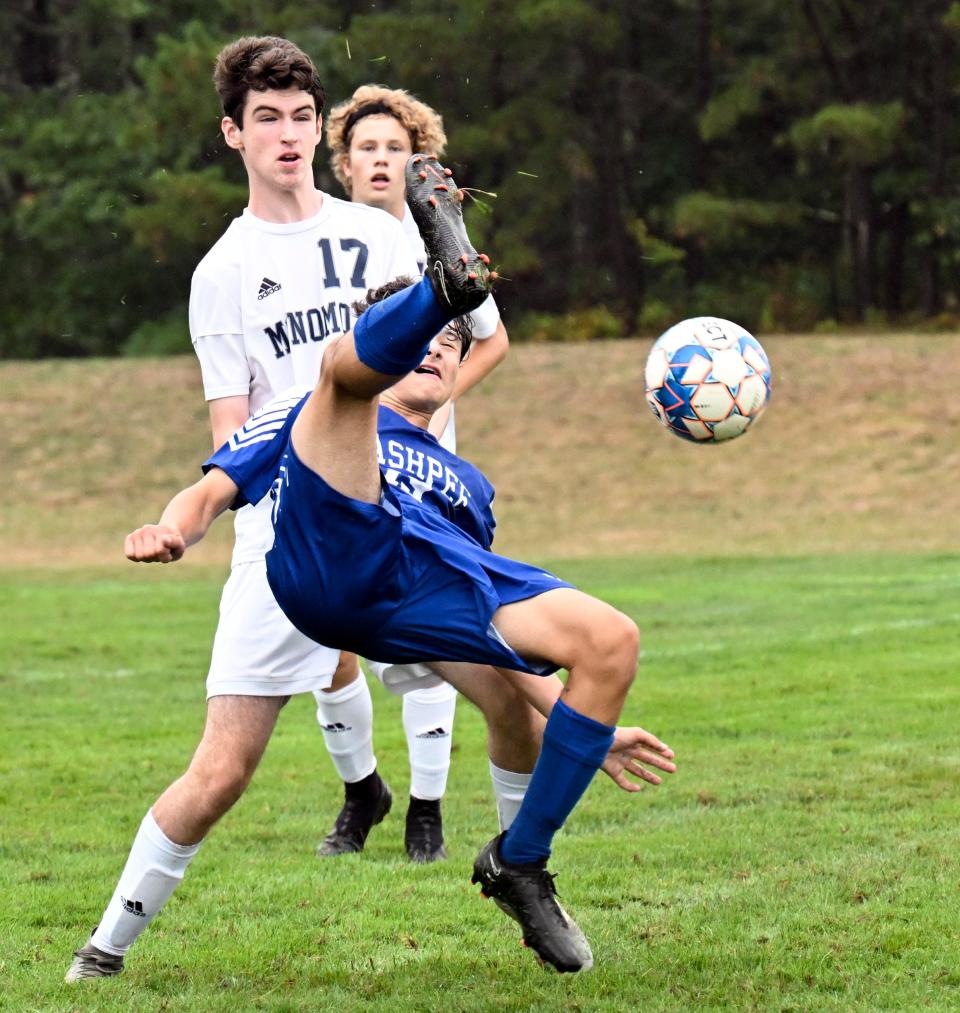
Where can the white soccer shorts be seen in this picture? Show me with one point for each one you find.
(256, 650)
(400, 679)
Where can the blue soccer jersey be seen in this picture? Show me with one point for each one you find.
(411, 460)
(253, 456)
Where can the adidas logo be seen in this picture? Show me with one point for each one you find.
(133, 907)
(337, 726)
(434, 733)
(268, 287)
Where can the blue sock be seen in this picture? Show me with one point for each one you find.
(574, 747)
(392, 336)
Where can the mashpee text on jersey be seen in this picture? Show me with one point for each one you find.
(410, 458)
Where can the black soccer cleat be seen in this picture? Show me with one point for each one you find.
(424, 832)
(92, 962)
(460, 276)
(527, 894)
(357, 817)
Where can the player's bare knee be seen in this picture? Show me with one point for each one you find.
(611, 649)
(624, 649)
(223, 780)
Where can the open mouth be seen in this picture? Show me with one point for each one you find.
(428, 369)
(289, 159)
(380, 178)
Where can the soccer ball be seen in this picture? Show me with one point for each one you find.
(707, 379)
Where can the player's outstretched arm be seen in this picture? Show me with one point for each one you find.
(632, 747)
(185, 520)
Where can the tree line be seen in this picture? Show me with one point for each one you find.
(786, 165)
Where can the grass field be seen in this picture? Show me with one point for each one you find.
(803, 858)
(797, 596)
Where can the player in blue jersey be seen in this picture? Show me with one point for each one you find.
(425, 585)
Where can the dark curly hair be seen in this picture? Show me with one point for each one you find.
(261, 63)
(462, 326)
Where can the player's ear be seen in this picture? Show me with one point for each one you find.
(345, 166)
(231, 133)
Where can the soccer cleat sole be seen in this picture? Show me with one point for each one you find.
(460, 275)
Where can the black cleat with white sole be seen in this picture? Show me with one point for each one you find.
(460, 276)
(527, 894)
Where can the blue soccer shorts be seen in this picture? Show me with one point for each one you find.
(395, 581)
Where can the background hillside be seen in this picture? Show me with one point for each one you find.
(857, 452)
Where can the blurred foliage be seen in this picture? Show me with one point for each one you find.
(779, 164)
(854, 135)
(577, 325)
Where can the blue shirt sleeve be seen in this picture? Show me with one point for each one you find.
(251, 457)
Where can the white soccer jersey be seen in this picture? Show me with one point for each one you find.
(267, 298)
(485, 318)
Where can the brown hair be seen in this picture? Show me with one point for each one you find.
(461, 326)
(262, 63)
(421, 122)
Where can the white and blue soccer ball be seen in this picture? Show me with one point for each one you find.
(707, 379)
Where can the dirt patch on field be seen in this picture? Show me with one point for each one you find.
(858, 451)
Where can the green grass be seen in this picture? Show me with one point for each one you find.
(803, 858)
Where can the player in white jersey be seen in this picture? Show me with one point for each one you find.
(271, 292)
(370, 137)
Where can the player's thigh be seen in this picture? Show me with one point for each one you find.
(482, 685)
(237, 731)
(564, 626)
(335, 434)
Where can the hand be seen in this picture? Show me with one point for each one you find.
(631, 748)
(154, 543)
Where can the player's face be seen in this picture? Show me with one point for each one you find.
(379, 149)
(279, 136)
(430, 385)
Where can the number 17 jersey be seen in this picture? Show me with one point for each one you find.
(268, 297)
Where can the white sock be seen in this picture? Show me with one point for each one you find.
(346, 720)
(153, 869)
(509, 787)
(428, 722)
